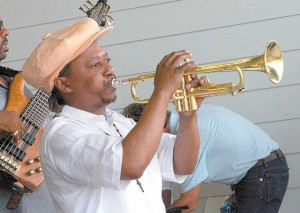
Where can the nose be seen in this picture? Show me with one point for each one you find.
(4, 32)
(110, 71)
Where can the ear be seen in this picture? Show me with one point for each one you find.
(61, 83)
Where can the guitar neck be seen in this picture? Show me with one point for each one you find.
(37, 109)
(21, 160)
(98, 12)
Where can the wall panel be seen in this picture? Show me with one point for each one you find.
(214, 31)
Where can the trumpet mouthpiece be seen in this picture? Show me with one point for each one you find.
(115, 83)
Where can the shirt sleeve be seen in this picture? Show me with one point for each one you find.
(199, 175)
(165, 156)
(166, 185)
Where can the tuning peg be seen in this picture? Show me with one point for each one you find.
(86, 6)
(108, 21)
(80, 8)
(90, 3)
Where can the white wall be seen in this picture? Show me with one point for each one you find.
(214, 31)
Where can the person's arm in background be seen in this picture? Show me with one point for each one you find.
(166, 193)
(189, 198)
(166, 196)
(11, 122)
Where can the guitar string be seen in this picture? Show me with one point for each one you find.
(38, 120)
(14, 150)
(27, 126)
(7, 159)
(37, 123)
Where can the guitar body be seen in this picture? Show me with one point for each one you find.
(17, 101)
(21, 160)
(25, 173)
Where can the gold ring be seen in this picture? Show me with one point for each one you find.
(205, 79)
(15, 133)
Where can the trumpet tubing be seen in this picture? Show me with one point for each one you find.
(270, 63)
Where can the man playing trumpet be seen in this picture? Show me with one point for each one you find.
(94, 159)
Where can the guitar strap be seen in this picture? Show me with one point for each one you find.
(14, 200)
(18, 190)
(8, 71)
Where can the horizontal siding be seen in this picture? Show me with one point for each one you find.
(211, 40)
(31, 12)
(286, 134)
(215, 32)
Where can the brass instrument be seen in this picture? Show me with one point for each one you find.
(270, 62)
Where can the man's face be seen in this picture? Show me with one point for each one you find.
(91, 76)
(3, 41)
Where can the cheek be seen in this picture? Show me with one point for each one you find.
(95, 83)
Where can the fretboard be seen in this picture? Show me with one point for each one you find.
(37, 109)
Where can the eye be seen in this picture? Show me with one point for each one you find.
(108, 60)
(96, 65)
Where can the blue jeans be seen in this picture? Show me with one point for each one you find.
(263, 187)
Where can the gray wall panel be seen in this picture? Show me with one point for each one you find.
(214, 31)
(286, 134)
(32, 12)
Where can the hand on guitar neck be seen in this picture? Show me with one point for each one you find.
(11, 122)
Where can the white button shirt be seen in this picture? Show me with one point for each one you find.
(81, 157)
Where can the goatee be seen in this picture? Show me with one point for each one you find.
(109, 101)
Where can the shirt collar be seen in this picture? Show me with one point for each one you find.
(87, 117)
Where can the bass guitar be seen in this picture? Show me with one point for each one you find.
(21, 160)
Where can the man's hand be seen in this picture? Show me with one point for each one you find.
(195, 82)
(169, 71)
(11, 122)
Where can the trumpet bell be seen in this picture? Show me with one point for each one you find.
(273, 62)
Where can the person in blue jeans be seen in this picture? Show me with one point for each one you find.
(233, 151)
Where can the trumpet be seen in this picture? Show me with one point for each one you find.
(270, 63)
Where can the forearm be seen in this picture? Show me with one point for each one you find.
(140, 145)
(189, 198)
(166, 196)
(142, 142)
(187, 144)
